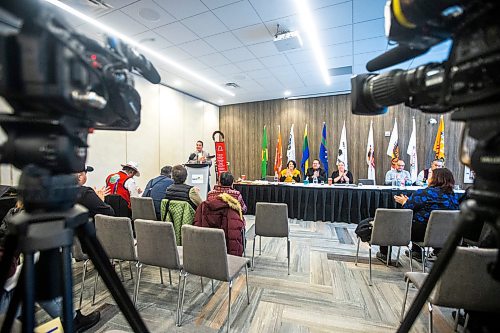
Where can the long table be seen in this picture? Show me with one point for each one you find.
(324, 202)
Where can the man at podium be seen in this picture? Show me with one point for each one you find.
(201, 156)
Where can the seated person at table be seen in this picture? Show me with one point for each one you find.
(316, 172)
(290, 173)
(226, 186)
(438, 195)
(180, 191)
(342, 176)
(423, 175)
(397, 174)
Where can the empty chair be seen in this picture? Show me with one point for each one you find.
(156, 247)
(142, 208)
(439, 227)
(179, 213)
(115, 235)
(205, 255)
(366, 181)
(391, 227)
(271, 220)
(465, 284)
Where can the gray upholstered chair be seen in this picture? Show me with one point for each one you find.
(465, 284)
(366, 181)
(79, 255)
(116, 237)
(205, 254)
(156, 247)
(142, 208)
(391, 227)
(271, 220)
(439, 227)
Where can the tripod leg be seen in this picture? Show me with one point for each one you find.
(67, 289)
(88, 239)
(29, 293)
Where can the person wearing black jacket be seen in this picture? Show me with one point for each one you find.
(316, 172)
(342, 176)
(92, 199)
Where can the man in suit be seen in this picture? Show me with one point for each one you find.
(316, 172)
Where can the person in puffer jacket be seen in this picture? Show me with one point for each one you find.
(223, 212)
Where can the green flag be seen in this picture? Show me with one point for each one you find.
(264, 154)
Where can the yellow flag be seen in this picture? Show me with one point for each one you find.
(439, 142)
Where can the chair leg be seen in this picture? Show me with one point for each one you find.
(170, 276)
(184, 274)
(370, 263)
(404, 301)
(411, 259)
(83, 281)
(397, 258)
(455, 323)
(130, 269)
(260, 245)
(430, 317)
(229, 306)
(244, 241)
(246, 280)
(288, 253)
(95, 287)
(161, 276)
(253, 253)
(357, 253)
(201, 280)
(389, 253)
(423, 258)
(213, 286)
(466, 323)
(121, 270)
(137, 282)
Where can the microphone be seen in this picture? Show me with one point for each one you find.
(394, 56)
(191, 157)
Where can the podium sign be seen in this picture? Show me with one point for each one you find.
(220, 157)
(197, 175)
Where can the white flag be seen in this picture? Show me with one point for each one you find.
(342, 156)
(412, 151)
(290, 151)
(393, 148)
(370, 154)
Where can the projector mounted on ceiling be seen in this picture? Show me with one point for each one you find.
(287, 40)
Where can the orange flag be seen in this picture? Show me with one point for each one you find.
(439, 142)
(278, 157)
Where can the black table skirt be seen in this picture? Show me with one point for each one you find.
(328, 203)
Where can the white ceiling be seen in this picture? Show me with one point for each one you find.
(231, 41)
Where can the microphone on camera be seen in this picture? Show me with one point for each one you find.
(393, 57)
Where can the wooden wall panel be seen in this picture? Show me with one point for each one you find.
(243, 124)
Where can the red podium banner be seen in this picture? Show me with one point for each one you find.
(220, 157)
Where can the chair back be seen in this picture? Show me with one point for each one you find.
(115, 235)
(271, 219)
(143, 208)
(156, 244)
(77, 252)
(119, 205)
(366, 181)
(466, 283)
(441, 224)
(179, 213)
(392, 227)
(204, 252)
(270, 178)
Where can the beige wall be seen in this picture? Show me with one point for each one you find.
(171, 123)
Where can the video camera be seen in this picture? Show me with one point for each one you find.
(62, 83)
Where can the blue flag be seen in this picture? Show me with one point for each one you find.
(323, 151)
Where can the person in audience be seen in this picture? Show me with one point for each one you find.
(291, 173)
(226, 180)
(123, 182)
(157, 187)
(316, 172)
(423, 176)
(342, 176)
(399, 174)
(91, 198)
(180, 191)
(438, 195)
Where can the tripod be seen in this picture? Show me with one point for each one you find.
(48, 230)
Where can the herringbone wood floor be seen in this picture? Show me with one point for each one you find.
(325, 291)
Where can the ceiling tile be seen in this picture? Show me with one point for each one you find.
(152, 40)
(365, 10)
(299, 56)
(197, 48)
(291, 81)
(275, 61)
(176, 53)
(369, 29)
(282, 70)
(117, 4)
(227, 69)
(263, 49)
(237, 15)
(338, 50)
(315, 4)
(194, 64)
(335, 35)
(176, 33)
(223, 41)
(370, 45)
(253, 34)
(307, 68)
(362, 59)
(339, 62)
(212, 4)
(270, 10)
(214, 59)
(259, 74)
(210, 73)
(148, 13)
(239, 54)
(270, 83)
(289, 23)
(249, 65)
(333, 16)
(204, 24)
(123, 23)
(183, 9)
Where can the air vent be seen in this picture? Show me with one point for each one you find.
(340, 71)
(231, 85)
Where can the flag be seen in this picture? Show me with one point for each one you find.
(439, 142)
(370, 154)
(290, 151)
(342, 156)
(278, 157)
(264, 154)
(412, 151)
(393, 148)
(323, 151)
(304, 163)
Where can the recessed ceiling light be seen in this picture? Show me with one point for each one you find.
(149, 14)
(287, 93)
(220, 101)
